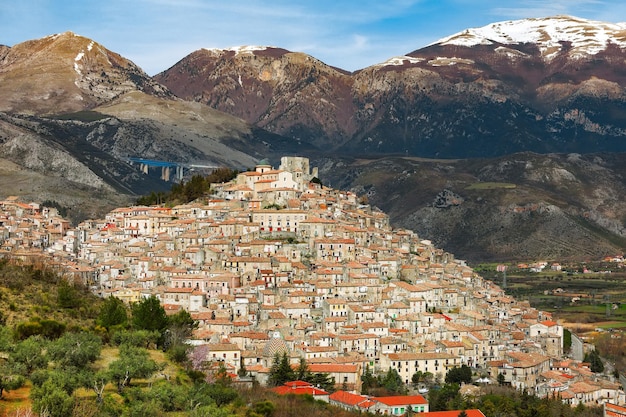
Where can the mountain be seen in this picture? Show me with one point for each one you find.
(524, 206)
(541, 85)
(289, 93)
(72, 113)
(66, 73)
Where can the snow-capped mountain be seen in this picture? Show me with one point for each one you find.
(580, 37)
(552, 84)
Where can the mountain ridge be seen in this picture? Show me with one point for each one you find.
(443, 100)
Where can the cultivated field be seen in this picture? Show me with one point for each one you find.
(583, 300)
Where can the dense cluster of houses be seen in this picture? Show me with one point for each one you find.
(274, 262)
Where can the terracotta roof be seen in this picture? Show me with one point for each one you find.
(454, 413)
(353, 400)
(298, 388)
(401, 400)
(614, 410)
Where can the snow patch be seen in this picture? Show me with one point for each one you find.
(587, 37)
(244, 49)
(448, 61)
(511, 53)
(400, 60)
(76, 64)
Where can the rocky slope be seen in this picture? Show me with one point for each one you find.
(542, 85)
(520, 206)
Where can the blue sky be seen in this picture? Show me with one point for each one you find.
(350, 34)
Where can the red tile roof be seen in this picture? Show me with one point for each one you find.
(352, 400)
(347, 398)
(402, 400)
(294, 384)
(454, 413)
(614, 410)
(298, 388)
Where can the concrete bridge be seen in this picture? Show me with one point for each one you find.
(167, 168)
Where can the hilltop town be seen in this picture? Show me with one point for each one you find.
(275, 262)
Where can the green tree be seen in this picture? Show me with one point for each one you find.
(138, 338)
(180, 327)
(221, 175)
(112, 313)
(368, 380)
(595, 362)
(6, 339)
(264, 408)
(501, 379)
(75, 349)
(67, 295)
(322, 380)
(280, 371)
(52, 400)
(392, 382)
(213, 411)
(488, 408)
(179, 353)
(133, 362)
(221, 394)
(50, 329)
(445, 398)
(97, 382)
(459, 375)
(195, 188)
(416, 378)
(67, 378)
(302, 372)
(169, 397)
(567, 341)
(316, 180)
(29, 355)
(242, 371)
(149, 314)
(9, 379)
(422, 377)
